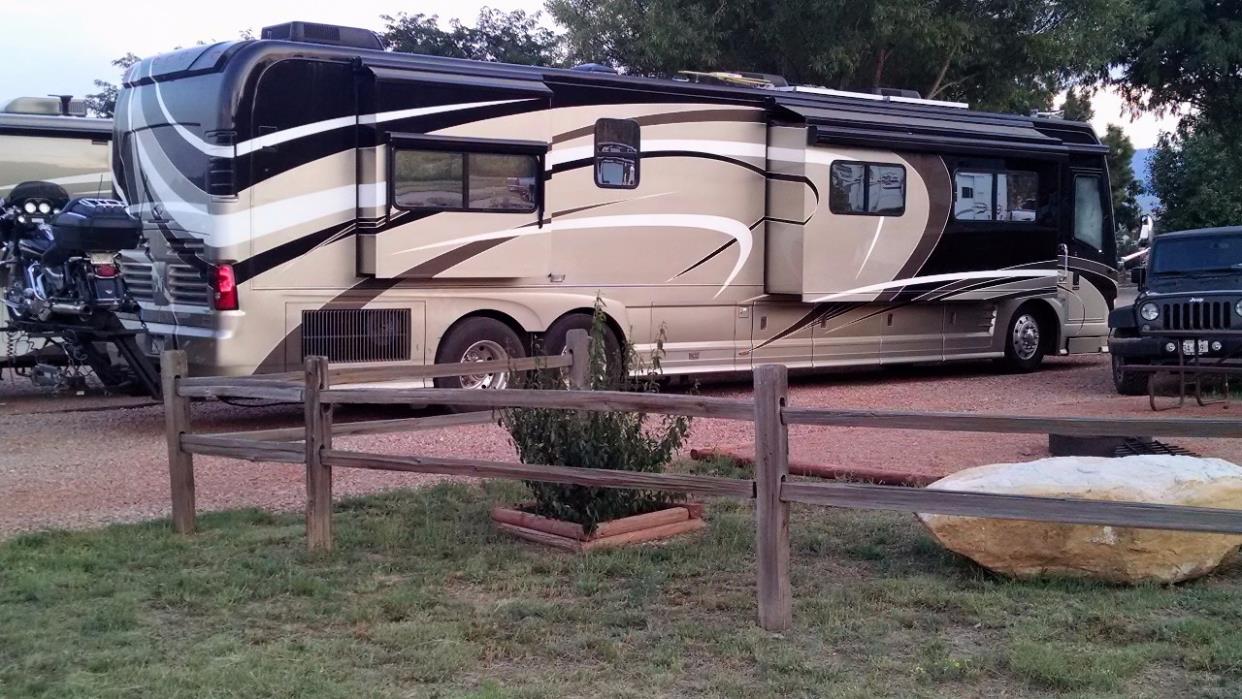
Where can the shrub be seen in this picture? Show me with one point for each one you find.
(622, 441)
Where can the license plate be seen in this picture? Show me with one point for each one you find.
(1191, 347)
(101, 258)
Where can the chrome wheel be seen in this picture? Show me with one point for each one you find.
(1025, 337)
(485, 351)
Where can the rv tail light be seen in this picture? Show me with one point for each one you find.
(225, 287)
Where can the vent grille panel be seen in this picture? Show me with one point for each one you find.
(357, 335)
(1208, 315)
(138, 281)
(187, 285)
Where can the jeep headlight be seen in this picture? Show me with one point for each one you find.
(1150, 311)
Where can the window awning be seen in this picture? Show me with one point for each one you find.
(965, 133)
(535, 88)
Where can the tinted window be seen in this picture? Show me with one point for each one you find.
(1088, 211)
(617, 148)
(1197, 254)
(996, 196)
(847, 191)
(502, 182)
(429, 180)
(886, 189)
(867, 188)
(433, 179)
(973, 198)
(1017, 196)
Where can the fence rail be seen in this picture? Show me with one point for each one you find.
(770, 489)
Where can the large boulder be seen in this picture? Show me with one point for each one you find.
(1116, 554)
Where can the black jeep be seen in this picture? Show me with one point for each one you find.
(1189, 306)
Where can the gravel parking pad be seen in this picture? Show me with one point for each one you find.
(100, 464)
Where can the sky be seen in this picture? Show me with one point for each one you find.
(66, 51)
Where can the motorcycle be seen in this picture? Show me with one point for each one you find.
(62, 283)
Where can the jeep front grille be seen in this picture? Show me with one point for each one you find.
(357, 335)
(1204, 315)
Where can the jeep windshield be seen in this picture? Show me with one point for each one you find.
(1198, 255)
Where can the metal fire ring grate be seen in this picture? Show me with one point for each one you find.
(1139, 447)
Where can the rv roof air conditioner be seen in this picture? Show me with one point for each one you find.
(54, 105)
(897, 92)
(330, 34)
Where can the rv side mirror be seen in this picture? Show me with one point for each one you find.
(1138, 275)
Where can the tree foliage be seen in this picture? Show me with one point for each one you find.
(1003, 54)
(620, 440)
(103, 103)
(1197, 178)
(1077, 105)
(1125, 186)
(507, 37)
(1186, 51)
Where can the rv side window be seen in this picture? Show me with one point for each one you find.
(974, 197)
(996, 196)
(448, 180)
(617, 147)
(875, 189)
(1088, 211)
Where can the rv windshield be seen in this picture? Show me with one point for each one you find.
(1199, 254)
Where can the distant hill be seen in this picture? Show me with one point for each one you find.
(1142, 171)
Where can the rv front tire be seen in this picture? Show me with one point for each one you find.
(1025, 340)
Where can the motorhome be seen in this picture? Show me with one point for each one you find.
(332, 198)
(52, 140)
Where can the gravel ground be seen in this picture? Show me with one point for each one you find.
(83, 461)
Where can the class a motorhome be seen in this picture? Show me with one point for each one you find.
(315, 195)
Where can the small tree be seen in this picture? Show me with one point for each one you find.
(615, 440)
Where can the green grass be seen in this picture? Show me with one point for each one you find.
(421, 598)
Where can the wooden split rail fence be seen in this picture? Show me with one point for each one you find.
(770, 489)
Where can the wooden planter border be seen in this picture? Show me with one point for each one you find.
(569, 536)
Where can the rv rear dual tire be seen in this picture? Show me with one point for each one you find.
(479, 339)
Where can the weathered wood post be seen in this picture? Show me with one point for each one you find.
(318, 476)
(174, 366)
(578, 342)
(771, 513)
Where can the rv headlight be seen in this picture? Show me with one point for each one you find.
(45, 208)
(1150, 311)
(30, 207)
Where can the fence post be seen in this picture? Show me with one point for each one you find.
(578, 341)
(173, 366)
(771, 513)
(318, 476)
